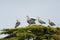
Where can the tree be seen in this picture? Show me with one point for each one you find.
(37, 32)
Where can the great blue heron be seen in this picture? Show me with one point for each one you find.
(30, 20)
(41, 21)
(17, 23)
(51, 23)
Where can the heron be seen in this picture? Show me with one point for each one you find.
(17, 23)
(41, 21)
(51, 23)
(30, 21)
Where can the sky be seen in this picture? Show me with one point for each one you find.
(12, 10)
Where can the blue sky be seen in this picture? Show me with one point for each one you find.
(11, 10)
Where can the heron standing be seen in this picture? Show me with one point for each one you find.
(30, 21)
(41, 21)
(51, 23)
(17, 24)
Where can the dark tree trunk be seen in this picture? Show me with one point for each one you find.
(28, 38)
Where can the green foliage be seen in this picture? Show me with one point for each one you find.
(38, 31)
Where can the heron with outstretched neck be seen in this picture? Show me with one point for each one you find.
(51, 23)
(41, 21)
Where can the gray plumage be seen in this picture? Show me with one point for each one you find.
(40, 21)
(30, 20)
(17, 23)
(51, 23)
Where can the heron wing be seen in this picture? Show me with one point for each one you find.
(42, 22)
(31, 22)
(52, 24)
(33, 19)
(17, 24)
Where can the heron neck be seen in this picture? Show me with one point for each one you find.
(49, 21)
(28, 18)
(38, 19)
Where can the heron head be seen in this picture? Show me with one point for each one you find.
(27, 16)
(17, 20)
(37, 17)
